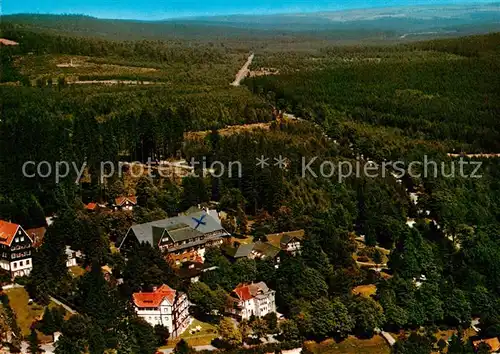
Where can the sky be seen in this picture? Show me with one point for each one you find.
(164, 9)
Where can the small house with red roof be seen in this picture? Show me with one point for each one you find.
(15, 249)
(251, 299)
(164, 306)
(492, 343)
(91, 206)
(125, 203)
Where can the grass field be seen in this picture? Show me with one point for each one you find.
(204, 337)
(365, 290)
(351, 345)
(26, 314)
(77, 271)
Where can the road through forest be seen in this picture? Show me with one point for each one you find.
(243, 71)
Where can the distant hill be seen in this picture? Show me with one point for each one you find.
(399, 23)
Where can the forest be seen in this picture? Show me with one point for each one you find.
(375, 103)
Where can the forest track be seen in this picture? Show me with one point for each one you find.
(111, 82)
(478, 156)
(244, 71)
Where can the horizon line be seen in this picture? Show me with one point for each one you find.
(250, 13)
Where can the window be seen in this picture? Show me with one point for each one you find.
(22, 238)
(14, 265)
(16, 240)
(21, 263)
(27, 262)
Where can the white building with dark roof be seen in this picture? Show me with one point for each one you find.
(178, 235)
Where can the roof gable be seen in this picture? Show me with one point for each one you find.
(122, 200)
(266, 249)
(8, 231)
(155, 298)
(494, 343)
(182, 232)
(243, 292)
(283, 238)
(145, 233)
(246, 292)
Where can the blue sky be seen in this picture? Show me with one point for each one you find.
(161, 9)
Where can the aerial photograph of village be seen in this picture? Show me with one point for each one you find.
(264, 177)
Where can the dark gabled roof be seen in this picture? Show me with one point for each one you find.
(181, 232)
(289, 236)
(266, 249)
(152, 232)
(244, 250)
(240, 251)
(157, 234)
(190, 269)
(284, 238)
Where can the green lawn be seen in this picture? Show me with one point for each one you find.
(26, 314)
(204, 337)
(77, 271)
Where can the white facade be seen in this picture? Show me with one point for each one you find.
(161, 315)
(168, 308)
(293, 247)
(253, 299)
(21, 268)
(71, 261)
(17, 268)
(15, 249)
(258, 306)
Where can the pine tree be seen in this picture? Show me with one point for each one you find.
(183, 348)
(34, 344)
(48, 322)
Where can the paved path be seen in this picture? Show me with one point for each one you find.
(111, 82)
(388, 337)
(66, 307)
(12, 286)
(292, 351)
(48, 348)
(197, 348)
(243, 71)
(479, 156)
